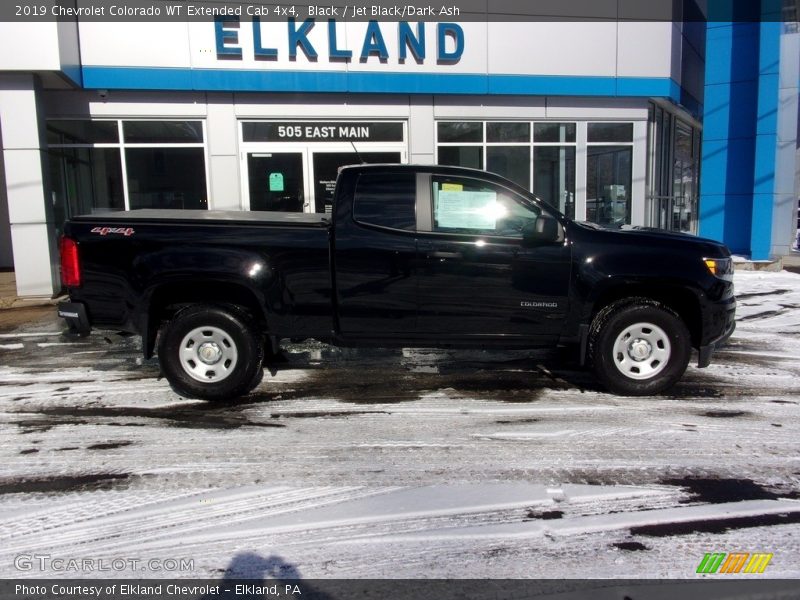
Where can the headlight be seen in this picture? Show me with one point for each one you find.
(720, 267)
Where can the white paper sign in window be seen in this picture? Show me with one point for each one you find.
(467, 210)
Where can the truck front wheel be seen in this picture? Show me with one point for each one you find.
(210, 352)
(639, 347)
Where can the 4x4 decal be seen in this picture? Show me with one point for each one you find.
(126, 231)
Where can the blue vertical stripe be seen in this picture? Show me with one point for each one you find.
(766, 141)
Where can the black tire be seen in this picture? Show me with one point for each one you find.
(638, 347)
(230, 343)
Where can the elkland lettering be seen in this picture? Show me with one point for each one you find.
(411, 41)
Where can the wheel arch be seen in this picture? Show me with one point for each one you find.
(165, 300)
(681, 299)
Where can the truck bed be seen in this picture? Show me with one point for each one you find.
(222, 217)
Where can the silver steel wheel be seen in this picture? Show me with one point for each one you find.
(208, 354)
(641, 351)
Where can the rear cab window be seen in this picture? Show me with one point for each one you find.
(386, 199)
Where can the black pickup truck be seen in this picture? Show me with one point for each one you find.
(410, 256)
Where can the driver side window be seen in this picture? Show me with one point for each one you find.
(464, 205)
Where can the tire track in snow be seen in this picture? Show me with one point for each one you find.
(171, 520)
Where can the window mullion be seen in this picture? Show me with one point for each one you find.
(124, 160)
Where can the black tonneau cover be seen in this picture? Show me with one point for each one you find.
(154, 215)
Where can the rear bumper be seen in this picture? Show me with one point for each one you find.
(74, 313)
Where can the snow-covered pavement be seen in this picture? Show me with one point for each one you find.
(415, 463)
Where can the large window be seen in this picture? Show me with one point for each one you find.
(537, 156)
(105, 165)
(166, 178)
(609, 181)
(85, 180)
(85, 168)
(500, 147)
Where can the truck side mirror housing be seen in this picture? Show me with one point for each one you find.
(544, 230)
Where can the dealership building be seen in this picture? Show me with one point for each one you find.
(685, 125)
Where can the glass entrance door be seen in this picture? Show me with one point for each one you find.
(326, 168)
(302, 179)
(277, 181)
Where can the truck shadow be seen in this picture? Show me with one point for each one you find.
(381, 376)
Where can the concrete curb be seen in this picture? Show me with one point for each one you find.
(15, 302)
(772, 266)
(9, 298)
(740, 263)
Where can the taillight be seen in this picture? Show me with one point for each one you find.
(70, 265)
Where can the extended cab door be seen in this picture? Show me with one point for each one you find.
(491, 262)
(374, 251)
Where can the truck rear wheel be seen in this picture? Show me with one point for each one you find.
(638, 348)
(210, 352)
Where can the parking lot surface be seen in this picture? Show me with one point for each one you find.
(401, 463)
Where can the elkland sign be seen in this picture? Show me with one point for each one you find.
(410, 42)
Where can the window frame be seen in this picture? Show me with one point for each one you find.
(121, 145)
(386, 227)
(531, 144)
(425, 210)
(630, 205)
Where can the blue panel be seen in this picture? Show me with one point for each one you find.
(766, 138)
(713, 174)
(729, 110)
(743, 101)
(716, 112)
(73, 73)
(744, 55)
(648, 86)
(764, 172)
(268, 81)
(541, 85)
(739, 124)
(732, 52)
(386, 83)
(719, 42)
(738, 222)
(712, 214)
(727, 167)
(136, 78)
(411, 83)
(726, 217)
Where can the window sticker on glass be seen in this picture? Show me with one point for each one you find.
(467, 210)
(276, 182)
(452, 187)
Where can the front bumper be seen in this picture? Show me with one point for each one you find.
(74, 313)
(727, 314)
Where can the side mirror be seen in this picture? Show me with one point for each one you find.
(544, 230)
